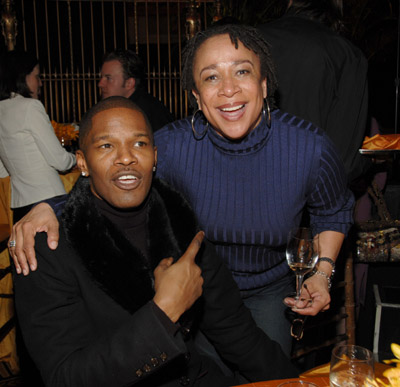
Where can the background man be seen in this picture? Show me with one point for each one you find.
(121, 75)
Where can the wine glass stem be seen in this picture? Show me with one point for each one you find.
(299, 283)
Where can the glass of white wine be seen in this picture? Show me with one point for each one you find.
(302, 253)
(351, 366)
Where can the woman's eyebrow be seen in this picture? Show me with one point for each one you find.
(235, 63)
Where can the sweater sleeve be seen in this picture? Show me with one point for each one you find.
(330, 203)
(45, 139)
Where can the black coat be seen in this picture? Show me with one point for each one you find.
(157, 113)
(322, 77)
(88, 318)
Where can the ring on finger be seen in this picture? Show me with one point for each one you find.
(12, 243)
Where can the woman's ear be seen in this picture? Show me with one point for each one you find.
(264, 87)
(197, 96)
(81, 163)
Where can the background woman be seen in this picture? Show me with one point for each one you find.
(30, 152)
(248, 173)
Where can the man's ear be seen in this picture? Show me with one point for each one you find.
(81, 163)
(130, 84)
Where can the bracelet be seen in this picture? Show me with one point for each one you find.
(319, 272)
(331, 262)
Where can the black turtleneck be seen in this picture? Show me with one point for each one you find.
(132, 222)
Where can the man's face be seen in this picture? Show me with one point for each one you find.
(112, 82)
(119, 157)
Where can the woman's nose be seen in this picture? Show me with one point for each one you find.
(229, 86)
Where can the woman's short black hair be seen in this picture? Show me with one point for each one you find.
(15, 66)
(250, 37)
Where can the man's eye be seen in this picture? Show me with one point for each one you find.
(140, 144)
(105, 146)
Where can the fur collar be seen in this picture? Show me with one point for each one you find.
(117, 267)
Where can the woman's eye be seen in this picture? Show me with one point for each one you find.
(211, 78)
(243, 72)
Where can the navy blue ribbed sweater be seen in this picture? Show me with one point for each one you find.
(248, 194)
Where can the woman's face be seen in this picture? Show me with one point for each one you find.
(34, 82)
(229, 86)
(119, 157)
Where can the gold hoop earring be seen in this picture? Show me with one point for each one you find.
(196, 135)
(266, 112)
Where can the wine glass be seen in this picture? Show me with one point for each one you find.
(351, 366)
(301, 254)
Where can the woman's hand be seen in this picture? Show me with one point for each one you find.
(178, 285)
(316, 289)
(40, 218)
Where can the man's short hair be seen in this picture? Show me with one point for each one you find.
(131, 63)
(106, 104)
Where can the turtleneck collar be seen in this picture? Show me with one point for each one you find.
(123, 218)
(247, 145)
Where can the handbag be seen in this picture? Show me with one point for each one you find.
(378, 240)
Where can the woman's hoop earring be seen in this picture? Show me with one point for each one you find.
(267, 112)
(196, 135)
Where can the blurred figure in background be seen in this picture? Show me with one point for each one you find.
(30, 152)
(322, 77)
(121, 75)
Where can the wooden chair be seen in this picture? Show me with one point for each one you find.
(337, 325)
(9, 362)
(9, 366)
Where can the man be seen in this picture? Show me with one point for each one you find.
(322, 77)
(121, 75)
(118, 302)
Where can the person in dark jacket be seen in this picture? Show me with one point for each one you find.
(132, 279)
(121, 75)
(322, 76)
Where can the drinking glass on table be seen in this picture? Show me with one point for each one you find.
(351, 366)
(302, 255)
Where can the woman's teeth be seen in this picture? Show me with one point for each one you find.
(232, 109)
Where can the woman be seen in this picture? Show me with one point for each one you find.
(108, 305)
(248, 173)
(30, 152)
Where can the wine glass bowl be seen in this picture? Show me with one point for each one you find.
(351, 366)
(302, 253)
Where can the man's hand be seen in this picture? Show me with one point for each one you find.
(40, 218)
(179, 285)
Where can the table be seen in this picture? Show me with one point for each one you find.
(318, 375)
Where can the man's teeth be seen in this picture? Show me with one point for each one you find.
(127, 177)
(232, 109)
